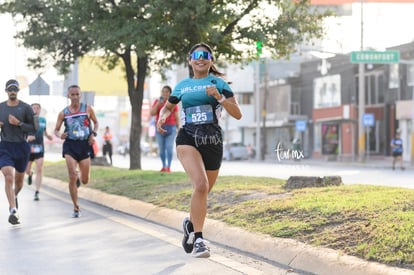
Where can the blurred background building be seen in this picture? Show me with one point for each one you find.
(311, 99)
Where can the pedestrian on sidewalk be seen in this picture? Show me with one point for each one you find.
(397, 150)
(107, 144)
(172, 123)
(37, 150)
(199, 142)
(17, 120)
(79, 136)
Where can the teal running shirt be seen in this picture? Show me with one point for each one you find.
(37, 145)
(198, 107)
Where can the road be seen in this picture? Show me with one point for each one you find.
(104, 241)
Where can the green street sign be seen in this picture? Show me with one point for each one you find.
(100, 114)
(375, 57)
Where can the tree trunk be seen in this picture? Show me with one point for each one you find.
(136, 95)
(135, 135)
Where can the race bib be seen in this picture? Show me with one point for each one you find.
(79, 134)
(199, 114)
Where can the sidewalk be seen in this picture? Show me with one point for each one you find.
(297, 255)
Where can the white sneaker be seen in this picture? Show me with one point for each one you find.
(200, 250)
(76, 213)
(14, 217)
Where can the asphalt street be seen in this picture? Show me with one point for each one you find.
(104, 241)
(287, 256)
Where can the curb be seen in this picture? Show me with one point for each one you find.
(288, 252)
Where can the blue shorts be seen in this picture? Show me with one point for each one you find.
(77, 149)
(15, 154)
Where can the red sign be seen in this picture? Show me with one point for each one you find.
(145, 111)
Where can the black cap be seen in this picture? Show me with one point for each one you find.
(12, 83)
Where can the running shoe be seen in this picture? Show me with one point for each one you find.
(36, 196)
(29, 179)
(14, 217)
(188, 238)
(76, 213)
(201, 250)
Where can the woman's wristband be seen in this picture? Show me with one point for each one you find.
(221, 100)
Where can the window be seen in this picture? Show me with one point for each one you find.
(245, 98)
(381, 88)
(394, 77)
(295, 108)
(317, 138)
(410, 75)
(374, 88)
(327, 91)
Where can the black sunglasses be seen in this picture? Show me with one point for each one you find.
(12, 89)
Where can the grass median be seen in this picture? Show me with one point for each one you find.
(371, 222)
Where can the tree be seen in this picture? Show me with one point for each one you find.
(150, 35)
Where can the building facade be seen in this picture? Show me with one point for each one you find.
(314, 102)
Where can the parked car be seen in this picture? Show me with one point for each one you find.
(146, 148)
(123, 148)
(233, 151)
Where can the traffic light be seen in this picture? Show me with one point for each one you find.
(259, 46)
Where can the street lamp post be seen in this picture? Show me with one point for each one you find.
(264, 115)
(257, 107)
(361, 95)
(259, 46)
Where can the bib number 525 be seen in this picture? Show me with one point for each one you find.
(199, 117)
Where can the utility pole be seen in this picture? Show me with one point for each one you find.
(257, 99)
(264, 114)
(361, 95)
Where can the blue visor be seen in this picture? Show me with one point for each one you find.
(201, 54)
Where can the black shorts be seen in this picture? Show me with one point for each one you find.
(77, 149)
(107, 149)
(211, 149)
(35, 156)
(397, 154)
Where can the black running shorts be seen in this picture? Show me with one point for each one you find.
(77, 149)
(210, 145)
(35, 156)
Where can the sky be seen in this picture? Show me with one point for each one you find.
(13, 59)
(385, 25)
